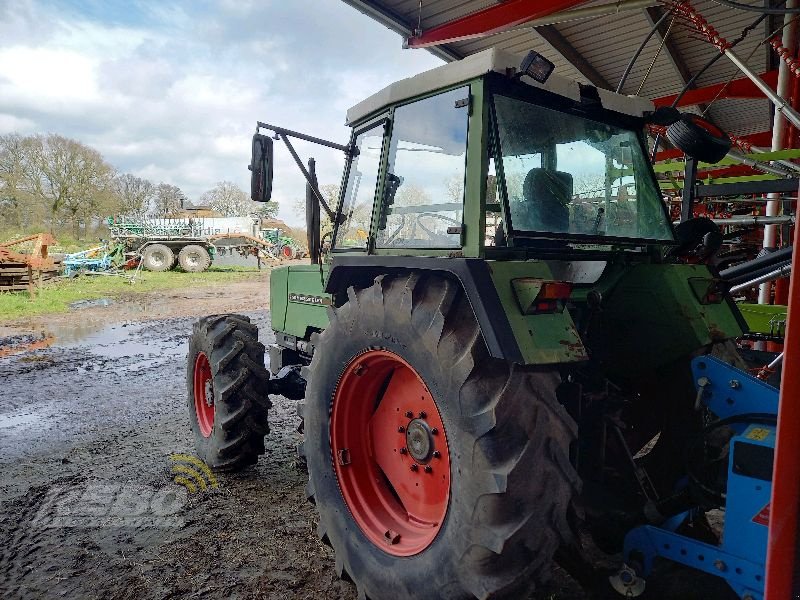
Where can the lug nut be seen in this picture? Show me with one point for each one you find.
(428, 469)
(403, 451)
(409, 414)
(437, 454)
(422, 414)
(434, 431)
(414, 467)
(401, 429)
(391, 537)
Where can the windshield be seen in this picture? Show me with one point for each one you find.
(567, 174)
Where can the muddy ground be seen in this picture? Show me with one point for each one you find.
(89, 430)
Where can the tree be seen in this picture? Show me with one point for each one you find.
(71, 177)
(267, 210)
(17, 207)
(168, 200)
(228, 198)
(134, 195)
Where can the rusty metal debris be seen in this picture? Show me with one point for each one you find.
(25, 270)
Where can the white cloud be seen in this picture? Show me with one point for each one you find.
(172, 91)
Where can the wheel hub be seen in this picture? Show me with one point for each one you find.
(209, 393)
(419, 440)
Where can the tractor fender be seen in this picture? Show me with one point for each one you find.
(494, 314)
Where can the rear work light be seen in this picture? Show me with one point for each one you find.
(536, 296)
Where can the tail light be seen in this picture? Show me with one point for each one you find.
(536, 296)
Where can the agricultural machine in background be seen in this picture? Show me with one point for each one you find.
(193, 243)
(508, 354)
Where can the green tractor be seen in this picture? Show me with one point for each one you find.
(494, 349)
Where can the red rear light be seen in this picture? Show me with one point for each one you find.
(554, 290)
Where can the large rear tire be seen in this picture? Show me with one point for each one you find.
(194, 258)
(158, 257)
(227, 384)
(401, 374)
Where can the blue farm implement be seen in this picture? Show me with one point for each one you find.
(94, 260)
(747, 409)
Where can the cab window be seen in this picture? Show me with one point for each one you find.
(359, 193)
(423, 198)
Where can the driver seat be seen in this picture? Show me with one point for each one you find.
(547, 195)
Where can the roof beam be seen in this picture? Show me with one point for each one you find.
(738, 88)
(560, 44)
(488, 21)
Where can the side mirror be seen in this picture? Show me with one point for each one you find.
(261, 169)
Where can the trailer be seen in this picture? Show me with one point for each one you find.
(164, 244)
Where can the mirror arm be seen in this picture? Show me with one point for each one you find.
(307, 175)
(302, 136)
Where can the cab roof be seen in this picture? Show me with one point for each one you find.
(476, 65)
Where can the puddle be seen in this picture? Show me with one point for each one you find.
(15, 420)
(118, 341)
(81, 304)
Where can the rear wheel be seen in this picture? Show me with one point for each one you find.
(437, 471)
(288, 252)
(194, 258)
(158, 257)
(227, 391)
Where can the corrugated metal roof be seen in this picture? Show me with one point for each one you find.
(606, 44)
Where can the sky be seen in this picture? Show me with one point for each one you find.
(171, 91)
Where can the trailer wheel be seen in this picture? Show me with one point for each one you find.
(437, 471)
(227, 382)
(158, 257)
(194, 258)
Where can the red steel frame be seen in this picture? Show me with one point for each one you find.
(781, 550)
(785, 502)
(490, 20)
(738, 88)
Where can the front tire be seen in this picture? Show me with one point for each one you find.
(227, 398)
(495, 502)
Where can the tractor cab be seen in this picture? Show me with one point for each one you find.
(497, 161)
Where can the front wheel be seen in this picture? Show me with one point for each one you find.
(227, 398)
(437, 471)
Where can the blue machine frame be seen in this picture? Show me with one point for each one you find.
(741, 556)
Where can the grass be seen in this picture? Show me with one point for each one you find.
(55, 296)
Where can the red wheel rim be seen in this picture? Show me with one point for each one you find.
(288, 252)
(203, 394)
(389, 452)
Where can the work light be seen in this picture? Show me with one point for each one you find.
(537, 66)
